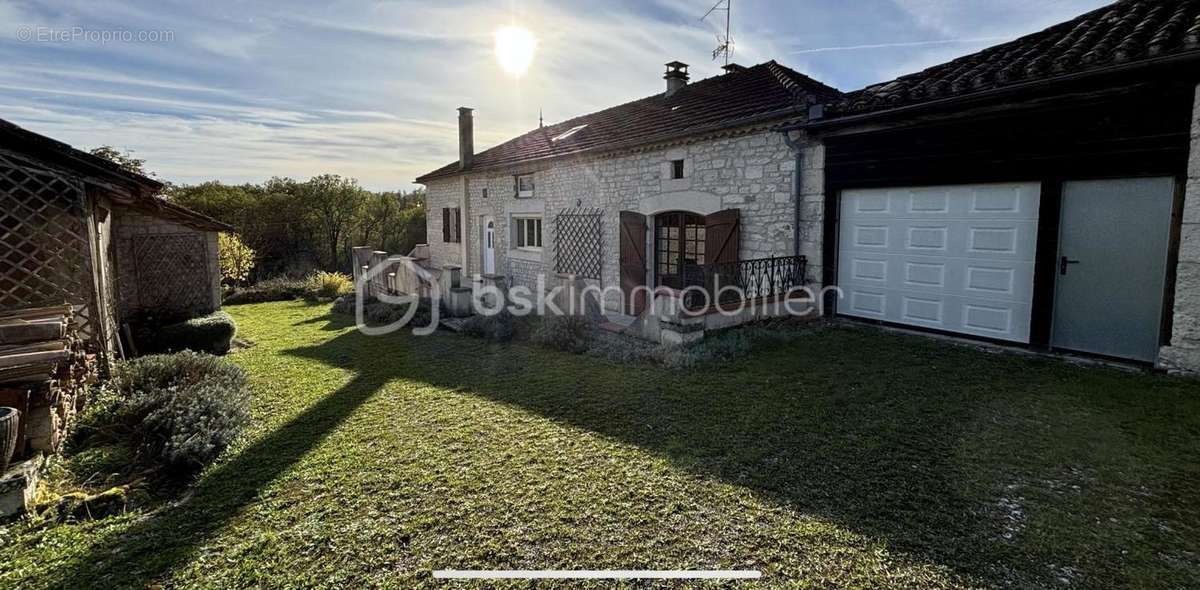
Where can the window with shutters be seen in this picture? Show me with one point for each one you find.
(451, 225)
(528, 232)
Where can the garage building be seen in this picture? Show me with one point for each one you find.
(1042, 192)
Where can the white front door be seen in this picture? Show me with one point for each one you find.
(953, 258)
(489, 246)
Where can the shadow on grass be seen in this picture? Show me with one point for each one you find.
(865, 430)
(151, 548)
(900, 438)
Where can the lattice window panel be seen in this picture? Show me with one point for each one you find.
(44, 241)
(172, 272)
(578, 242)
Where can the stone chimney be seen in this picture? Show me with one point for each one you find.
(677, 76)
(466, 138)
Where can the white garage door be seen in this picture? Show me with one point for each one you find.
(955, 258)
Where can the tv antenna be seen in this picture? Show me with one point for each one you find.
(724, 44)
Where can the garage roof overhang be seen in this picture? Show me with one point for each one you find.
(1088, 85)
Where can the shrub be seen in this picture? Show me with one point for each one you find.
(624, 350)
(714, 349)
(566, 332)
(276, 289)
(496, 328)
(180, 411)
(378, 313)
(212, 333)
(235, 257)
(344, 304)
(722, 346)
(328, 285)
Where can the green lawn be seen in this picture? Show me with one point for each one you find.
(849, 458)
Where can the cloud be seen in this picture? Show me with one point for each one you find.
(245, 91)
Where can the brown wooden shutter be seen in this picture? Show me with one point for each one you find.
(633, 261)
(722, 233)
(457, 225)
(446, 224)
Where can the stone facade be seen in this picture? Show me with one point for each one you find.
(747, 169)
(442, 193)
(1184, 352)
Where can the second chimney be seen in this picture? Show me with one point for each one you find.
(466, 138)
(677, 76)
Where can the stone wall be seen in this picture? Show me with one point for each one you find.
(812, 207)
(441, 193)
(750, 169)
(129, 223)
(1184, 352)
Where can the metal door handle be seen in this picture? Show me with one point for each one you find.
(1062, 264)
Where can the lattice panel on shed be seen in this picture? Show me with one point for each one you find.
(172, 272)
(578, 242)
(44, 241)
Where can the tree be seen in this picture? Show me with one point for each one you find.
(236, 258)
(296, 227)
(334, 202)
(123, 159)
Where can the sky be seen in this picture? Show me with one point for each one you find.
(240, 91)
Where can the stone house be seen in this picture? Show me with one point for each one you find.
(637, 194)
(1041, 193)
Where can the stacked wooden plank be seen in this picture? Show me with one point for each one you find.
(45, 371)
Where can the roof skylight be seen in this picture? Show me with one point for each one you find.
(569, 132)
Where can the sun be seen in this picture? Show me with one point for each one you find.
(514, 49)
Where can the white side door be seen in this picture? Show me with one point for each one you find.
(953, 258)
(489, 246)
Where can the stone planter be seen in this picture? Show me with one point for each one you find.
(8, 436)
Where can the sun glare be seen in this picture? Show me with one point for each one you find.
(514, 49)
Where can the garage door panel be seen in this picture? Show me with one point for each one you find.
(923, 274)
(928, 310)
(869, 270)
(956, 258)
(1002, 280)
(867, 302)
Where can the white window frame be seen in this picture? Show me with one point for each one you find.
(524, 193)
(522, 224)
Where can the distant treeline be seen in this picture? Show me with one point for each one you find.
(295, 227)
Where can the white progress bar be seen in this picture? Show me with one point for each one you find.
(599, 574)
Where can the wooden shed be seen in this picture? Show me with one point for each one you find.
(78, 229)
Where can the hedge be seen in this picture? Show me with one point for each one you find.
(212, 333)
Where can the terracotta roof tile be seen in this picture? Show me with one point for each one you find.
(744, 95)
(1120, 33)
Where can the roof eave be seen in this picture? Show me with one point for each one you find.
(78, 159)
(991, 94)
(161, 207)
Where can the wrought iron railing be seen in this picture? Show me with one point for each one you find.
(730, 282)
